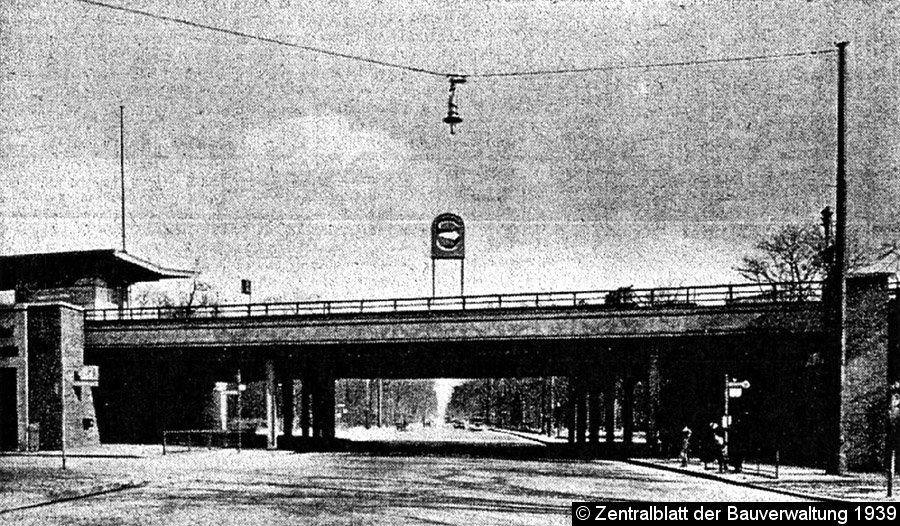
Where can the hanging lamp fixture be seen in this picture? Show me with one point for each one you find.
(453, 117)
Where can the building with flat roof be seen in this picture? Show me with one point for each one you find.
(46, 397)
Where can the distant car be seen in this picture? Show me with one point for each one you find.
(457, 424)
(476, 424)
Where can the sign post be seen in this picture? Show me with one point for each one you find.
(733, 389)
(247, 288)
(448, 241)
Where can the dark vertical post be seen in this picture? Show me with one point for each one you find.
(609, 407)
(594, 409)
(287, 405)
(305, 392)
(553, 418)
(462, 277)
(653, 413)
(368, 412)
(328, 406)
(570, 410)
(837, 462)
(380, 401)
(628, 409)
(580, 411)
(488, 396)
(122, 167)
(240, 411)
(315, 384)
(271, 416)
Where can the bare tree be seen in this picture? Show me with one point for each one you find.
(798, 254)
(200, 294)
(794, 253)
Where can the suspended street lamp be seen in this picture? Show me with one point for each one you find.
(453, 117)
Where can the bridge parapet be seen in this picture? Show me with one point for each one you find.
(619, 299)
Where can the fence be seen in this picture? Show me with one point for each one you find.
(200, 438)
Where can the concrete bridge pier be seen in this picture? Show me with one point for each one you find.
(271, 413)
(609, 406)
(287, 406)
(570, 410)
(580, 408)
(653, 386)
(628, 384)
(318, 401)
(305, 400)
(594, 409)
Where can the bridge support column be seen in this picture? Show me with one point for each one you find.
(287, 407)
(594, 411)
(628, 383)
(315, 387)
(653, 382)
(328, 405)
(305, 393)
(570, 410)
(609, 406)
(580, 411)
(271, 417)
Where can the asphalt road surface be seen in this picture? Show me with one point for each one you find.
(224, 487)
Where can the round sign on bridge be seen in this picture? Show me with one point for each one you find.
(448, 239)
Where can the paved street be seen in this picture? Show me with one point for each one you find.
(224, 487)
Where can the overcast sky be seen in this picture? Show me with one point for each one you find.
(318, 177)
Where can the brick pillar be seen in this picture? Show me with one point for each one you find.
(864, 394)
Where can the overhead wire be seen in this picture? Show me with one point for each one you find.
(269, 40)
(456, 75)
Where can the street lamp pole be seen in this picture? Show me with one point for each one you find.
(837, 461)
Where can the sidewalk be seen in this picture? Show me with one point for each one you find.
(792, 480)
(33, 479)
(795, 481)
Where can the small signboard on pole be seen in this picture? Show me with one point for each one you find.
(448, 241)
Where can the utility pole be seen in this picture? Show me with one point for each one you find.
(122, 167)
(837, 452)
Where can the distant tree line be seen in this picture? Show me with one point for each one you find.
(533, 404)
(401, 401)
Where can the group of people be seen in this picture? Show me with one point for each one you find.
(712, 446)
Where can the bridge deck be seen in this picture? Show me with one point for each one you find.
(623, 313)
(619, 299)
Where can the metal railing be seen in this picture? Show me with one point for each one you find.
(621, 298)
(200, 438)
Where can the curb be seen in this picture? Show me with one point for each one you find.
(71, 455)
(740, 483)
(95, 491)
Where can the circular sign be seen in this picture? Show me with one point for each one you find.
(448, 237)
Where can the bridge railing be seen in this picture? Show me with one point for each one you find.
(621, 298)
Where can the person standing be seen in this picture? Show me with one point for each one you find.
(685, 445)
(718, 437)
